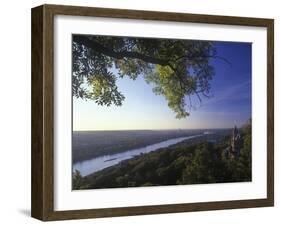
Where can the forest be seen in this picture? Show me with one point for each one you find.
(179, 164)
(181, 72)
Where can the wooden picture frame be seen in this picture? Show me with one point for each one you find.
(42, 203)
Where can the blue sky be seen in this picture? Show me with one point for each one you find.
(229, 105)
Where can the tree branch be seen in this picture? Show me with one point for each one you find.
(205, 56)
(95, 46)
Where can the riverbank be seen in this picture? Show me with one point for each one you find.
(91, 144)
(96, 164)
(187, 162)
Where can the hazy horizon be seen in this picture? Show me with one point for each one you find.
(153, 129)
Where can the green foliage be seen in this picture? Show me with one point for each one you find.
(189, 162)
(77, 180)
(175, 68)
(104, 90)
(241, 168)
(200, 169)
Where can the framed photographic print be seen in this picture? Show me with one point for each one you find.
(141, 112)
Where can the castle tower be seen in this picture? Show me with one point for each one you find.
(235, 141)
(235, 131)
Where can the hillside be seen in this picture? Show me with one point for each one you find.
(183, 163)
(92, 144)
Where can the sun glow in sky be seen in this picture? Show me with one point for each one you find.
(230, 102)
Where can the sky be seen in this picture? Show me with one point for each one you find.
(230, 102)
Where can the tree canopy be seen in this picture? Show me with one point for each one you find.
(194, 161)
(176, 69)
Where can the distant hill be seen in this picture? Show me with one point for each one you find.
(183, 163)
(92, 144)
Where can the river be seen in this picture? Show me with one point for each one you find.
(96, 164)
